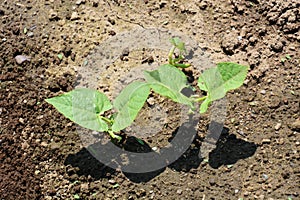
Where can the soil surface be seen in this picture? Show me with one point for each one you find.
(257, 155)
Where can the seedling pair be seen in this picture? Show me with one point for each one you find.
(87, 107)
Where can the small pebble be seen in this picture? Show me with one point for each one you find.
(74, 16)
(44, 144)
(265, 176)
(263, 91)
(277, 126)
(21, 120)
(292, 48)
(37, 172)
(154, 148)
(151, 101)
(20, 59)
(266, 141)
(30, 34)
(179, 191)
(78, 2)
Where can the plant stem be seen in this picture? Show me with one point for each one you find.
(175, 61)
(170, 56)
(114, 136)
(106, 120)
(182, 65)
(200, 99)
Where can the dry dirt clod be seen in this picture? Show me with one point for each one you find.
(277, 126)
(78, 2)
(74, 16)
(25, 145)
(44, 144)
(296, 125)
(229, 43)
(84, 186)
(151, 101)
(52, 15)
(276, 45)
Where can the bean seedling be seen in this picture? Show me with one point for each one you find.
(87, 107)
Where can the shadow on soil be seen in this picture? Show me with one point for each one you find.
(229, 149)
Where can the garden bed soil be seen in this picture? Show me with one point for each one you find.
(257, 155)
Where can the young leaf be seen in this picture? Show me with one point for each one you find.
(219, 80)
(129, 103)
(168, 81)
(178, 44)
(84, 107)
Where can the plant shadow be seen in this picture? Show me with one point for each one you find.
(87, 165)
(229, 149)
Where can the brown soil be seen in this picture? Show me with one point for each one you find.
(257, 156)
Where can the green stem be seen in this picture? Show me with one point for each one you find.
(170, 56)
(106, 120)
(175, 61)
(200, 99)
(114, 136)
(182, 65)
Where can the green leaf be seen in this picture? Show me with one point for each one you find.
(178, 44)
(218, 80)
(168, 81)
(129, 103)
(204, 105)
(211, 82)
(232, 74)
(84, 107)
(201, 83)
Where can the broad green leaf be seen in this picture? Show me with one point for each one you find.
(218, 80)
(232, 74)
(129, 102)
(84, 107)
(211, 82)
(168, 81)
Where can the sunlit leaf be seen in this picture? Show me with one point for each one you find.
(84, 107)
(129, 103)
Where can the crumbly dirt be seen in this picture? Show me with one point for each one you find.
(257, 155)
